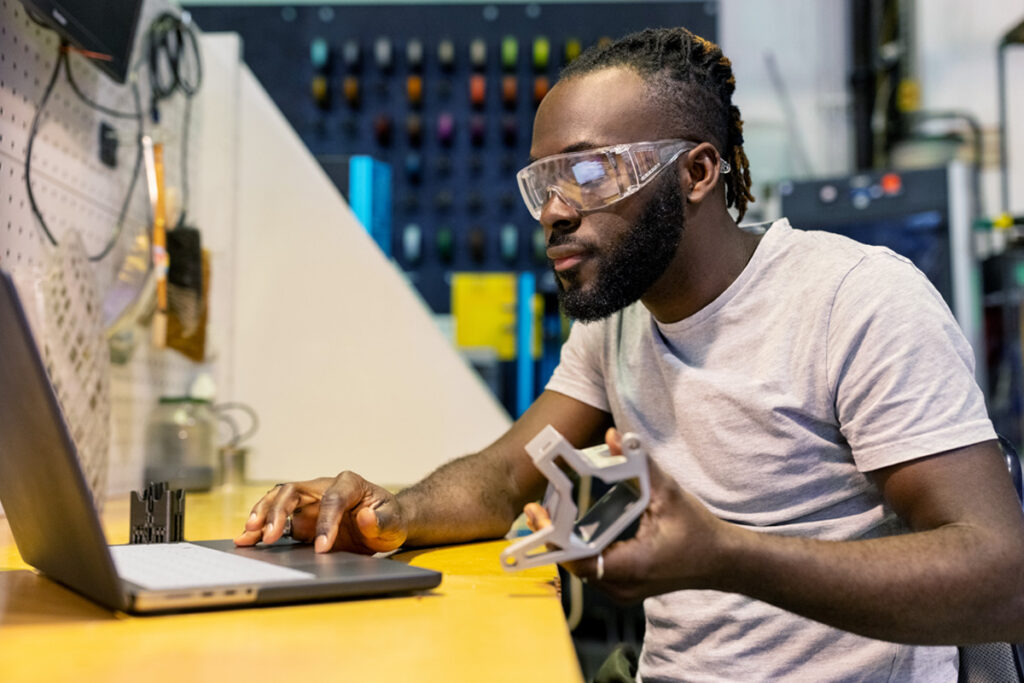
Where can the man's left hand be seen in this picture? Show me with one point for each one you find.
(677, 545)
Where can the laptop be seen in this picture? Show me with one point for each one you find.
(57, 530)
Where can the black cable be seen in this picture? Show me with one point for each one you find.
(185, 128)
(137, 115)
(863, 81)
(61, 55)
(136, 172)
(170, 42)
(167, 37)
(95, 105)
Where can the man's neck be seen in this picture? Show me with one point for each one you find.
(711, 255)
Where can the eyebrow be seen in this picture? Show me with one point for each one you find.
(575, 147)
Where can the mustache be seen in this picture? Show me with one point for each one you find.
(561, 239)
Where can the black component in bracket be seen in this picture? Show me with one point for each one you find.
(108, 144)
(157, 514)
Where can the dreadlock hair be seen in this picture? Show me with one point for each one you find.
(691, 78)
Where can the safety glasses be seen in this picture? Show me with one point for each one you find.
(597, 178)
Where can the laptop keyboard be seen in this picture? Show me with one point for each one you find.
(169, 566)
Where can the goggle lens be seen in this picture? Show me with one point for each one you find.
(594, 179)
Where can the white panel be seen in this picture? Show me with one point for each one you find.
(338, 355)
(808, 40)
(957, 60)
(1015, 127)
(214, 190)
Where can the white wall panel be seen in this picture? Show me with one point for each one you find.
(957, 59)
(809, 43)
(339, 356)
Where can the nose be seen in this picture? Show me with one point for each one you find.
(558, 214)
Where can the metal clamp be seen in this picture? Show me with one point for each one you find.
(566, 538)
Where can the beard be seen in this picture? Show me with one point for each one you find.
(626, 271)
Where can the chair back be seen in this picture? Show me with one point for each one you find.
(1013, 464)
(996, 662)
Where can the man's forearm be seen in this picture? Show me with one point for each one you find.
(479, 496)
(952, 585)
(470, 498)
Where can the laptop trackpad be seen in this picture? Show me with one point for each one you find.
(295, 555)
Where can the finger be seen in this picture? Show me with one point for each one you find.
(624, 569)
(585, 568)
(304, 522)
(613, 437)
(612, 566)
(258, 516)
(249, 537)
(340, 497)
(618, 560)
(537, 517)
(284, 503)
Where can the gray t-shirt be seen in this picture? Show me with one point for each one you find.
(825, 359)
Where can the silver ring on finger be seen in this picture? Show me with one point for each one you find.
(287, 527)
(600, 567)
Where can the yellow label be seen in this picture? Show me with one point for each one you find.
(484, 311)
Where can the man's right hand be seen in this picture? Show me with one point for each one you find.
(343, 513)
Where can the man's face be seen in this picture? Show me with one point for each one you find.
(626, 268)
(606, 260)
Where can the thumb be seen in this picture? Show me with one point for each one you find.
(369, 525)
(613, 437)
(380, 528)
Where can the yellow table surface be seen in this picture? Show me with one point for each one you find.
(480, 624)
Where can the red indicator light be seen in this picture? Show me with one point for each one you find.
(892, 183)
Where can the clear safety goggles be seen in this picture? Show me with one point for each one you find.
(597, 178)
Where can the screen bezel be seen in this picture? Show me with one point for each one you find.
(60, 15)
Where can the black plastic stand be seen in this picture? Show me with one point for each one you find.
(157, 515)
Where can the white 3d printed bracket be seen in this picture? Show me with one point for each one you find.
(565, 539)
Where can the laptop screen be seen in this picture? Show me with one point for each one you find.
(44, 494)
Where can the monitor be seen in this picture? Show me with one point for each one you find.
(105, 28)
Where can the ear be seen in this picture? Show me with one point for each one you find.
(701, 172)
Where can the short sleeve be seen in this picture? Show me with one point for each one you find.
(900, 370)
(580, 370)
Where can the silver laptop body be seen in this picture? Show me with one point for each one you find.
(53, 520)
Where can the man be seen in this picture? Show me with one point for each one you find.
(825, 479)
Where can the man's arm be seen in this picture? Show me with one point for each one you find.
(959, 578)
(473, 497)
(480, 495)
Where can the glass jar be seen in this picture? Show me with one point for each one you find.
(180, 444)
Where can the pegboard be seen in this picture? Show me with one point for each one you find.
(78, 195)
(453, 133)
(60, 304)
